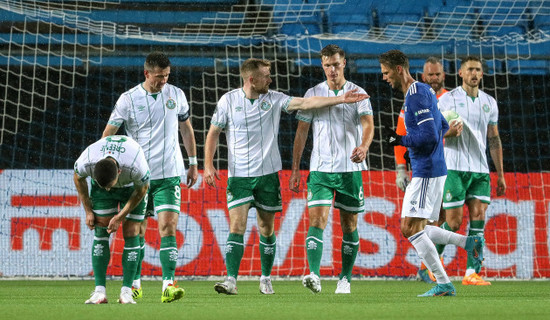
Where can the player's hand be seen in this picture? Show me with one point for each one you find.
(391, 137)
(353, 96)
(501, 186)
(294, 182)
(90, 220)
(402, 180)
(358, 154)
(210, 176)
(192, 175)
(455, 128)
(114, 224)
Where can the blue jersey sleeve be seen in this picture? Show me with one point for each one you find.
(424, 136)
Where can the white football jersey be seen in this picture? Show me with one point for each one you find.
(337, 130)
(126, 151)
(252, 130)
(468, 151)
(153, 123)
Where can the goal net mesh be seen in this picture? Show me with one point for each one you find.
(63, 65)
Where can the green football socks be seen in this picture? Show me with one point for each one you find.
(101, 255)
(314, 247)
(234, 254)
(168, 257)
(141, 256)
(130, 258)
(476, 228)
(350, 246)
(267, 253)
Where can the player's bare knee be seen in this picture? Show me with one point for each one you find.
(454, 224)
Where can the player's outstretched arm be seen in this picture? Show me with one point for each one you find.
(299, 144)
(322, 102)
(210, 173)
(188, 136)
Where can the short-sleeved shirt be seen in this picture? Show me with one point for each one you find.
(337, 130)
(152, 120)
(421, 110)
(128, 154)
(468, 151)
(251, 129)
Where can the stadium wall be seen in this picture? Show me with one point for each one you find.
(43, 232)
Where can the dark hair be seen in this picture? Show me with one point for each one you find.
(331, 50)
(105, 171)
(253, 64)
(394, 58)
(156, 59)
(433, 60)
(469, 58)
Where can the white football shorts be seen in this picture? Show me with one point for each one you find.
(423, 198)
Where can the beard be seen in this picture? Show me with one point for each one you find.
(436, 86)
(261, 90)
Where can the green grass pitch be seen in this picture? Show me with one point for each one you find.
(390, 299)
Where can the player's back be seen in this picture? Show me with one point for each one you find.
(425, 128)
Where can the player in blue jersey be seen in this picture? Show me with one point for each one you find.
(424, 140)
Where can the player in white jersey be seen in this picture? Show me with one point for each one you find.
(342, 135)
(152, 113)
(250, 115)
(468, 180)
(422, 201)
(120, 177)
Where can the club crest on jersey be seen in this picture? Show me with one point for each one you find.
(485, 107)
(265, 106)
(170, 104)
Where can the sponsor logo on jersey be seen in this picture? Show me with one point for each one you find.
(141, 108)
(112, 148)
(461, 105)
(170, 104)
(238, 109)
(422, 111)
(265, 106)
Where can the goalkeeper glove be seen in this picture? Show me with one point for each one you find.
(402, 180)
(391, 137)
